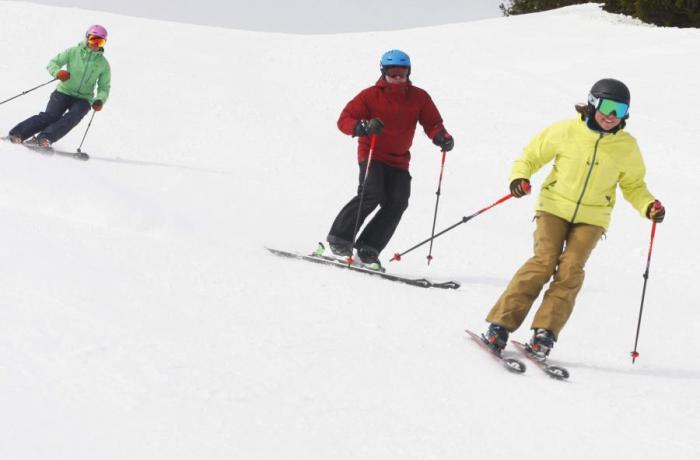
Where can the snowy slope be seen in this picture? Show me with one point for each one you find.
(141, 318)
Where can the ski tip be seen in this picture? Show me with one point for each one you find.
(557, 372)
(515, 366)
(449, 285)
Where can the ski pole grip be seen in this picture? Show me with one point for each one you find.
(526, 186)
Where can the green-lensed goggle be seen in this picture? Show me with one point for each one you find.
(607, 107)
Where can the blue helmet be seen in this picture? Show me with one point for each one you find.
(395, 58)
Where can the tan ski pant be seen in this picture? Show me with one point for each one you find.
(552, 258)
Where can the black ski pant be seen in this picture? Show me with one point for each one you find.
(386, 187)
(52, 124)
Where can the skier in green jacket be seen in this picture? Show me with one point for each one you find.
(85, 68)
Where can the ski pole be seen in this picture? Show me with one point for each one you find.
(397, 256)
(28, 91)
(635, 354)
(86, 131)
(437, 201)
(372, 143)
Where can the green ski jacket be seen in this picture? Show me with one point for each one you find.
(87, 69)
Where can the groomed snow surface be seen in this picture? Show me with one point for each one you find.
(142, 318)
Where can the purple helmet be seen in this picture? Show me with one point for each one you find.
(97, 30)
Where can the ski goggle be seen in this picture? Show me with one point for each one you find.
(608, 106)
(95, 40)
(396, 72)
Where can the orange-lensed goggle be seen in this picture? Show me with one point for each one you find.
(95, 40)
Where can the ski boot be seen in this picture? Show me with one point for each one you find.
(320, 249)
(341, 251)
(43, 142)
(15, 139)
(370, 259)
(496, 338)
(541, 343)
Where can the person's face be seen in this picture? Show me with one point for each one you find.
(395, 75)
(94, 43)
(607, 122)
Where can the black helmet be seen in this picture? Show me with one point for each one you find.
(609, 88)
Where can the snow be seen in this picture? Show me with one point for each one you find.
(141, 317)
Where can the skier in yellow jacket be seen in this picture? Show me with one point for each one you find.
(592, 156)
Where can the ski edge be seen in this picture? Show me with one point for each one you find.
(81, 156)
(327, 260)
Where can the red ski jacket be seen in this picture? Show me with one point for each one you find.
(400, 107)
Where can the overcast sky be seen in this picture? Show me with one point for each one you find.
(299, 16)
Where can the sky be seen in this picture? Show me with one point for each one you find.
(299, 16)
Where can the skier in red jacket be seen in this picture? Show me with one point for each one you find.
(390, 111)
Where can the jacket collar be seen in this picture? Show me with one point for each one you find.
(401, 87)
(595, 127)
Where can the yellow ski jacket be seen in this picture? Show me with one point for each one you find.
(588, 166)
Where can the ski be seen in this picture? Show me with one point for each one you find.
(556, 372)
(327, 260)
(511, 364)
(49, 151)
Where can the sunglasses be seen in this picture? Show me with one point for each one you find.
(397, 72)
(607, 107)
(95, 40)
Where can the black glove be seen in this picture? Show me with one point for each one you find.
(444, 141)
(368, 127)
(520, 187)
(656, 211)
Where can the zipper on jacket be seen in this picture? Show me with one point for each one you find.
(87, 65)
(588, 176)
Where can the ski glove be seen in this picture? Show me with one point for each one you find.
(63, 75)
(520, 187)
(97, 105)
(444, 141)
(656, 211)
(368, 127)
